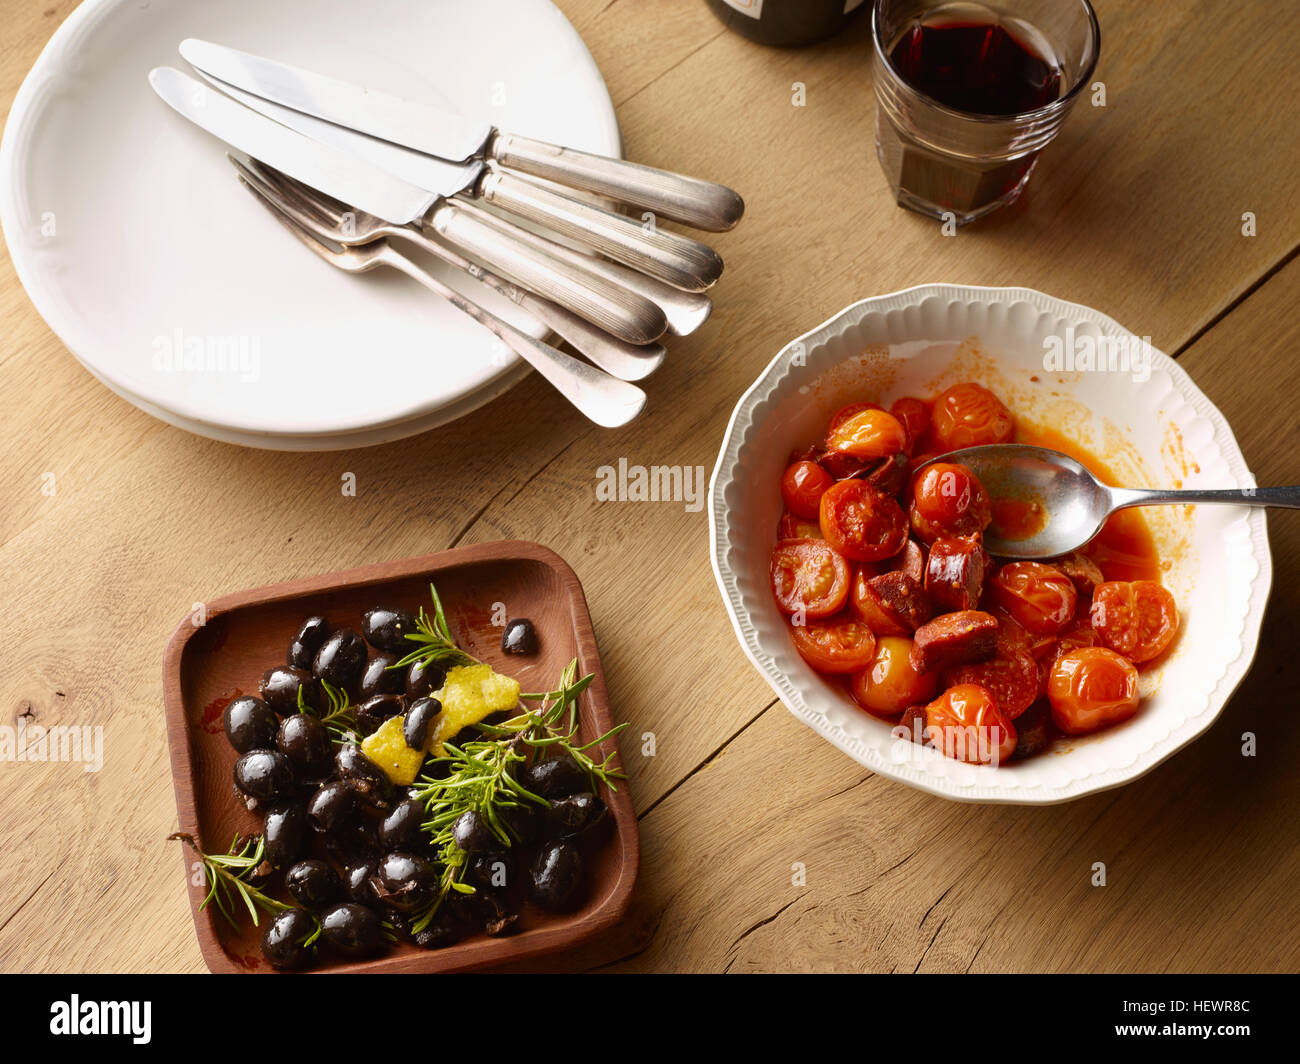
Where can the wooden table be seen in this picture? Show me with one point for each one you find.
(1137, 211)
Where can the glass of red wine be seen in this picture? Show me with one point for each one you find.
(968, 94)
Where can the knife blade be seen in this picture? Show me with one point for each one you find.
(413, 125)
(436, 175)
(692, 201)
(336, 173)
(366, 187)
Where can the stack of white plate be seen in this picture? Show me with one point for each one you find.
(178, 291)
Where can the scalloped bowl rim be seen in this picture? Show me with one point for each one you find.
(740, 429)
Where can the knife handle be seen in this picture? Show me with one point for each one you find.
(685, 311)
(682, 263)
(700, 204)
(617, 310)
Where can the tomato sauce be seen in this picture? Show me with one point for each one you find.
(1124, 549)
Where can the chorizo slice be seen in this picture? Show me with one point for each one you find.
(954, 573)
(966, 637)
(892, 604)
(911, 561)
(1083, 572)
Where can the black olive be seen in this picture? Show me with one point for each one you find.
(500, 914)
(442, 931)
(555, 881)
(524, 822)
(313, 884)
(520, 637)
(371, 714)
(406, 881)
(282, 941)
(400, 829)
(380, 678)
(264, 775)
(332, 807)
(422, 679)
(352, 843)
(471, 832)
(305, 741)
(492, 871)
(357, 882)
(340, 659)
(415, 728)
(579, 815)
(556, 777)
(250, 724)
(353, 929)
(387, 629)
(280, 687)
(308, 640)
(367, 779)
(285, 835)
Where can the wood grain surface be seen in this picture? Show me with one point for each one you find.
(1136, 210)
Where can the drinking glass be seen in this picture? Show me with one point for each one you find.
(950, 163)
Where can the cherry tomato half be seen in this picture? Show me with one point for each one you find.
(792, 527)
(1011, 680)
(914, 414)
(861, 522)
(1091, 688)
(889, 684)
(948, 500)
(969, 415)
(966, 724)
(868, 434)
(1135, 618)
(1042, 599)
(802, 486)
(836, 645)
(809, 577)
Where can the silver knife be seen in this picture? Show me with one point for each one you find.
(362, 185)
(701, 204)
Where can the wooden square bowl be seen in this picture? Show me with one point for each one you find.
(246, 633)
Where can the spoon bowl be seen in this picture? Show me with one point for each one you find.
(1046, 504)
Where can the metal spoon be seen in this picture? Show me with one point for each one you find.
(1068, 503)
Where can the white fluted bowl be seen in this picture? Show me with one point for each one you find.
(1155, 429)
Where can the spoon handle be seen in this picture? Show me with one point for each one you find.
(1288, 497)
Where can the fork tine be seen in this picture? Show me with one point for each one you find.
(290, 204)
(323, 204)
(304, 236)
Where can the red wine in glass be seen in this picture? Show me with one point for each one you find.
(977, 67)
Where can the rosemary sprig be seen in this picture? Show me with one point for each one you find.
(434, 639)
(340, 719)
(226, 877)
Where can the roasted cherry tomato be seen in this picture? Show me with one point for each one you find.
(1135, 618)
(861, 522)
(802, 487)
(969, 415)
(1076, 635)
(948, 500)
(1091, 688)
(1039, 597)
(868, 434)
(836, 645)
(889, 684)
(845, 412)
(966, 724)
(1011, 680)
(809, 577)
(914, 414)
(792, 527)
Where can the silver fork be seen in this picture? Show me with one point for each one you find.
(603, 398)
(334, 222)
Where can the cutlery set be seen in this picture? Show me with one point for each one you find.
(349, 170)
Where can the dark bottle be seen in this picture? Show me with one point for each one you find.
(786, 23)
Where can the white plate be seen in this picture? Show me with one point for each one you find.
(1161, 432)
(132, 237)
